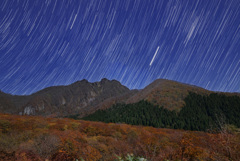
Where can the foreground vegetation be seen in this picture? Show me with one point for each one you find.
(39, 138)
(199, 113)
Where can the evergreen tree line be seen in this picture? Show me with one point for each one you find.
(199, 113)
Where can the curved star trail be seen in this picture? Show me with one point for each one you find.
(47, 43)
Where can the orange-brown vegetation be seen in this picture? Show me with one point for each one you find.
(166, 93)
(169, 94)
(38, 138)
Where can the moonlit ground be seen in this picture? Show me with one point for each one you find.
(49, 42)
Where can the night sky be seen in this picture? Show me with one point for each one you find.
(48, 42)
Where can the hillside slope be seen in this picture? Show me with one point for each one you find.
(166, 93)
(199, 113)
(39, 138)
(169, 94)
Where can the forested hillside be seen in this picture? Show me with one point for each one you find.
(199, 113)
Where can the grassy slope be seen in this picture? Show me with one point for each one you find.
(169, 94)
(39, 138)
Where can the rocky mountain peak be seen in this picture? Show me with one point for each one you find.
(78, 97)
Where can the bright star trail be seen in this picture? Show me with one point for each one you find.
(154, 56)
(48, 42)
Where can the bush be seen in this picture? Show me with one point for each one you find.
(131, 157)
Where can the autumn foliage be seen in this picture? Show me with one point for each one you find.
(38, 138)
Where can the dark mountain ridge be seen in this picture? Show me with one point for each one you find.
(83, 97)
(79, 97)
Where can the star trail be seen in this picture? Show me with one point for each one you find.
(48, 42)
(154, 56)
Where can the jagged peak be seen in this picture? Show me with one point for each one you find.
(81, 81)
(84, 80)
(104, 80)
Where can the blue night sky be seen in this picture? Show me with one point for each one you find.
(48, 42)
